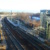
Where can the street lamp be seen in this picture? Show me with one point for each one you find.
(11, 15)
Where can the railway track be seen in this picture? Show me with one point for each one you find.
(25, 44)
(12, 41)
(10, 44)
(20, 34)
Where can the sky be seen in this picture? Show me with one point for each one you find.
(32, 6)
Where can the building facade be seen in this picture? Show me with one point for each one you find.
(45, 21)
(42, 17)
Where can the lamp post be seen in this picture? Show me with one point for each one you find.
(11, 15)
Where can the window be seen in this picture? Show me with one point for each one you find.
(48, 14)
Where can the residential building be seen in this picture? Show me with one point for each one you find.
(45, 21)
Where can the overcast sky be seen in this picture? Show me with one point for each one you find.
(24, 5)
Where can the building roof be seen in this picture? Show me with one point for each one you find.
(48, 11)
